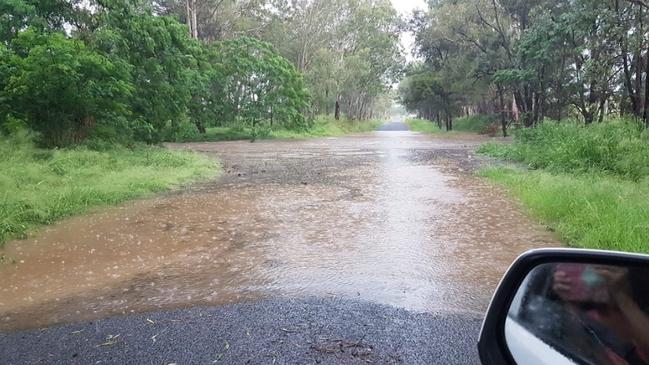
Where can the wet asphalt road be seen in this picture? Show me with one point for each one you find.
(394, 126)
(311, 331)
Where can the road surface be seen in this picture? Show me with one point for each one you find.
(389, 229)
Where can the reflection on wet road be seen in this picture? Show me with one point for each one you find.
(392, 217)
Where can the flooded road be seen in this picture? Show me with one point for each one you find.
(391, 217)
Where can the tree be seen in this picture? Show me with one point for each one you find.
(62, 89)
(16, 15)
(252, 84)
(547, 57)
(215, 20)
(164, 64)
(348, 50)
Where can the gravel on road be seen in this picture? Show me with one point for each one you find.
(278, 331)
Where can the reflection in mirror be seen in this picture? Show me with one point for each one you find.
(573, 313)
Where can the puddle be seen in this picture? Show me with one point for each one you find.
(388, 217)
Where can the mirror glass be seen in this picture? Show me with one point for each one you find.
(575, 313)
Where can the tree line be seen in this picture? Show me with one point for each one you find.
(144, 70)
(525, 61)
(347, 50)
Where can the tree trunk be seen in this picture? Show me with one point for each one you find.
(628, 83)
(521, 105)
(588, 116)
(639, 65)
(625, 66)
(449, 122)
(200, 127)
(337, 110)
(535, 107)
(189, 17)
(194, 20)
(501, 101)
(638, 85)
(645, 114)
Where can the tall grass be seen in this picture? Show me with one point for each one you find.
(39, 186)
(323, 126)
(587, 210)
(591, 184)
(328, 126)
(620, 148)
(479, 123)
(423, 126)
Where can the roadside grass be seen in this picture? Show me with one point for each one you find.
(39, 186)
(328, 126)
(424, 126)
(323, 126)
(589, 184)
(479, 123)
(588, 210)
(618, 147)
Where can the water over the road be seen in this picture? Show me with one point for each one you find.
(390, 217)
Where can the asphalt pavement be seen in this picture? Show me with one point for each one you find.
(308, 331)
(394, 126)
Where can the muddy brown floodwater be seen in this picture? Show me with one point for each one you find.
(391, 217)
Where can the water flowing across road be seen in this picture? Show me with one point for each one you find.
(392, 217)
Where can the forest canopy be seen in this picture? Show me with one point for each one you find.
(524, 61)
(143, 70)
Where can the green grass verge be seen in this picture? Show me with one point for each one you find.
(618, 147)
(480, 123)
(587, 210)
(39, 186)
(323, 126)
(423, 126)
(329, 127)
(592, 182)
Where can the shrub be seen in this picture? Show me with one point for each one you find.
(61, 88)
(478, 123)
(423, 125)
(13, 125)
(619, 147)
(185, 132)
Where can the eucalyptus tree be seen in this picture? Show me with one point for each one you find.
(254, 85)
(460, 59)
(348, 50)
(370, 54)
(214, 20)
(546, 57)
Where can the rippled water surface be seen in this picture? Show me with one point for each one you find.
(391, 217)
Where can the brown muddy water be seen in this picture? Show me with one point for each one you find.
(391, 217)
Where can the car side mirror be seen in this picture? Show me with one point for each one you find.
(569, 306)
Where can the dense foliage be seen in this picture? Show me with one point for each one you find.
(253, 83)
(141, 70)
(61, 88)
(620, 148)
(347, 50)
(530, 60)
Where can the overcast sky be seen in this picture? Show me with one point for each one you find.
(406, 7)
